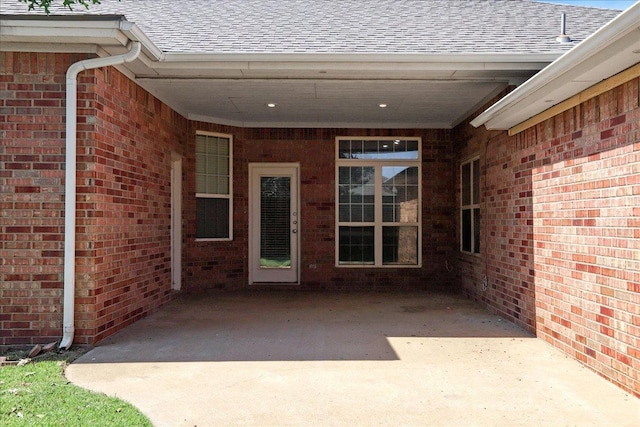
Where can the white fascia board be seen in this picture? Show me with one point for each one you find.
(361, 57)
(48, 47)
(560, 72)
(361, 63)
(48, 34)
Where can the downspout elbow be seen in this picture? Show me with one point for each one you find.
(68, 309)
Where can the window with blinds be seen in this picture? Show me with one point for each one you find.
(214, 194)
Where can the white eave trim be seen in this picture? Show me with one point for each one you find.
(362, 57)
(599, 41)
(43, 34)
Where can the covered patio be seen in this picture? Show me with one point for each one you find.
(305, 358)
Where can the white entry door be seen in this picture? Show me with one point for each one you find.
(274, 222)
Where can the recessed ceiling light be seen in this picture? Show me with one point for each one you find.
(548, 101)
(271, 105)
(382, 105)
(385, 145)
(635, 51)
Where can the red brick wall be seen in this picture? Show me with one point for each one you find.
(32, 195)
(124, 201)
(125, 140)
(560, 239)
(561, 231)
(225, 264)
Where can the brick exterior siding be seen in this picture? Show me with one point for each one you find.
(561, 230)
(125, 140)
(32, 127)
(124, 203)
(560, 215)
(225, 264)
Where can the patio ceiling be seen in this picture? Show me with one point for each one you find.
(308, 90)
(344, 91)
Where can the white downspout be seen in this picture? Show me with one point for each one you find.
(70, 182)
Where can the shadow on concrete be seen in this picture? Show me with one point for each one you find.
(294, 326)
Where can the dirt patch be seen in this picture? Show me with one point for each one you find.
(14, 355)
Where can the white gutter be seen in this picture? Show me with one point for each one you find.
(617, 28)
(70, 182)
(134, 33)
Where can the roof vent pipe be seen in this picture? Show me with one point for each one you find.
(563, 37)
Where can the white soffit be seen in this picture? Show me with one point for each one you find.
(325, 103)
(610, 50)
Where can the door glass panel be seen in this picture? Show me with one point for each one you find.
(275, 227)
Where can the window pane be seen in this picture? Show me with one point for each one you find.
(212, 164)
(211, 184)
(201, 163)
(476, 182)
(344, 213)
(466, 184)
(400, 194)
(223, 165)
(212, 218)
(355, 245)
(378, 149)
(476, 231)
(201, 143)
(201, 183)
(410, 148)
(466, 230)
(371, 148)
(400, 245)
(222, 147)
(356, 196)
(223, 185)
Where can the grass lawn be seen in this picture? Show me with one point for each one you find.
(37, 394)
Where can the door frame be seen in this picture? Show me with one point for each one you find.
(176, 221)
(253, 227)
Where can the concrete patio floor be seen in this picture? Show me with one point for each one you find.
(363, 359)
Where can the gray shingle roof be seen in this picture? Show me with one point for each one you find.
(350, 26)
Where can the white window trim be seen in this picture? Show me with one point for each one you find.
(221, 196)
(377, 223)
(472, 206)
